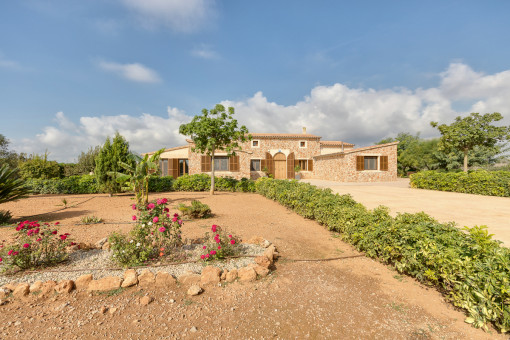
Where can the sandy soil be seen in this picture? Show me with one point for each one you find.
(344, 299)
(464, 209)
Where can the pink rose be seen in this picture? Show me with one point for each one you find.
(229, 236)
(10, 252)
(207, 255)
(164, 201)
(63, 237)
(213, 228)
(57, 223)
(155, 219)
(1, 259)
(201, 256)
(232, 242)
(54, 232)
(179, 221)
(162, 229)
(176, 215)
(15, 253)
(204, 247)
(213, 252)
(219, 247)
(151, 206)
(26, 245)
(133, 218)
(174, 219)
(39, 239)
(166, 210)
(133, 207)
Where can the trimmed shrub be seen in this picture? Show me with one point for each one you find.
(197, 209)
(470, 268)
(481, 182)
(161, 184)
(85, 184)
(202, 182)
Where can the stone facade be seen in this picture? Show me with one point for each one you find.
(327, 158)
(341, 167)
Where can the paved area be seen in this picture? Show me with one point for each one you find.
(464, 209)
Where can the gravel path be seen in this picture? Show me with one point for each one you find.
(97, 258)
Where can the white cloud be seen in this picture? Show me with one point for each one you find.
(134, 72)
(205, 52)
(179, 15)
(67, 140)
(336, 112)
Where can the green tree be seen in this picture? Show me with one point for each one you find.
(107, 162)
(87, 161)
(474, 130)
(38, 166)
(215, 130)
(137, 174)
(406, 140)
(7, 156)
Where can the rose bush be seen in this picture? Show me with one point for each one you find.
(35, 245)
(219, 244)
(156, 234)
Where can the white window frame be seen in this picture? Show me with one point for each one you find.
(258, 143)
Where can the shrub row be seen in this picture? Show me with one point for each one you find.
(491, 183)
(470, 268)
(87, 184)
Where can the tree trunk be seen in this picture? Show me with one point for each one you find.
(465, 160)
(212, 173)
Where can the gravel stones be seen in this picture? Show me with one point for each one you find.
(146, 300)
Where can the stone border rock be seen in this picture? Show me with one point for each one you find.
(210, 275)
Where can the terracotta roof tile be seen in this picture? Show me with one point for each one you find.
(357, 150)
(284, 135)
(335, 143)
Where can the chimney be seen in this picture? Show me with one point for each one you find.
(304, 130)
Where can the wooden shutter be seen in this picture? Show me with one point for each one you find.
(310, 165)
(205, 164)
(290, 166)
(384, 163)
(360, 163)
(233, 163)
(269, 163)
(173, 167)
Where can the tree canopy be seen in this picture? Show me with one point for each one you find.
(474, 130)
(107, 162)
(215, 130)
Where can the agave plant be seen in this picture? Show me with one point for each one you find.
(136, 177)
(12, 188)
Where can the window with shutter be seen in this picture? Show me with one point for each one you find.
(384, 163)
(360, 163)
(173, 167)
(233, 163)
(205, 164)
(290, 166)
(310, 165)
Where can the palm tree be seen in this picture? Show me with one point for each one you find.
(136, 177)
(12, 188)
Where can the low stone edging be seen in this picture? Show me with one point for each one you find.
(210, 275)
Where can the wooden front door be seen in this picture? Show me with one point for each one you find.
(280, 166)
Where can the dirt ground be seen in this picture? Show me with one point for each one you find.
(464, 209)
(355, 298)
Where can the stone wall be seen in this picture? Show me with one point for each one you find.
(341, 167)
(272, 145)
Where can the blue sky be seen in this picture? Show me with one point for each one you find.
(73, 72)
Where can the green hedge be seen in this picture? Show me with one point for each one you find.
(472, 270)
(491, 183)
(87, 184)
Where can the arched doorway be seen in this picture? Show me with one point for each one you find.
(280, 166)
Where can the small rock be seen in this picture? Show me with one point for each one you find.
(266, 244)
(4, 292)
(165, 280)
(172, 301)
(269, 253)
(210, 275)
(64, 287)
(105, 284)
(194, 290)
(130, 278)
(263, 261)
(112, 310)
(17, 323)
(193, 329)
(22, 290)
(11, 286)
(189, 279)
(223, 276)
(103, 310)
(3, 302)
(247, 274)
(261, 271)
(106, 246)
(146, 278)
(48, 287)
(83, 281)
(99, 244)
(36, 286)
(231, 275)
(144, 301)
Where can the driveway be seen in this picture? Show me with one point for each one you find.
(464, 209)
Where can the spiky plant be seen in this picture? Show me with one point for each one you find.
(12, 188)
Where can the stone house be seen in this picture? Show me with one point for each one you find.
(278, 154)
